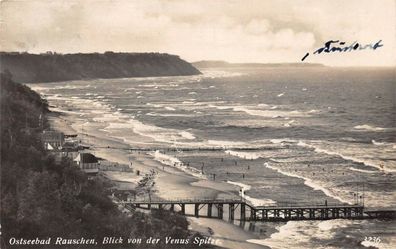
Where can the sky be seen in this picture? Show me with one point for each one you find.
(266, 31)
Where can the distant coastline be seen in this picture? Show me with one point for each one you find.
(52, 67)
(225, 64)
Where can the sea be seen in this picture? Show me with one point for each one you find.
(285, 135)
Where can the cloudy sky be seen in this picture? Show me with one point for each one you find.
(231, 30)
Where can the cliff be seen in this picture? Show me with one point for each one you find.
(50, 67)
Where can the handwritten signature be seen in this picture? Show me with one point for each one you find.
(337, 46)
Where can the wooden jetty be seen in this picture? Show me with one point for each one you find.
(244, 211)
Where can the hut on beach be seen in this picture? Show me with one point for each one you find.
(87, 162)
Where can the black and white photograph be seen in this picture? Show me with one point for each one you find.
(235, 124)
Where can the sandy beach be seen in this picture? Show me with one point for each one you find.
(171, 182)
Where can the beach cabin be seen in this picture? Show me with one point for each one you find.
(52, 139)
(87, 162)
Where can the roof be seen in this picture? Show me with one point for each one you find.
(49, 147)
(88, 158)
(69, 144)
(70, 135)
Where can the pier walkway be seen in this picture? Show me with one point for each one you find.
(242, 210)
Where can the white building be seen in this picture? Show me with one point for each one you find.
(87, 162)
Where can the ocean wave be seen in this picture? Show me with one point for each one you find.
(170, 114)
(129, 89)
(176, 163)
(212, 74)
(119, 121)
(153, 85)
(310, 183)
(288, 124)
(56, 109)
(377, 143)
(37, 88)
(263, 105)
(244, 155)
(305, 231)
(282, 160)
(366, 162)
(106, 118)
(69, 86)
(220, 107)
(269, 113)
(187, 135)
(363, 171)
(367, 127)
(159, 134)
(283, 140)
(114, 125)
(170, 108)
(383, 144)
(255, 201)
(155, 105)
(225, 144)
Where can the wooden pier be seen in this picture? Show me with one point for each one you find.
(242, 210)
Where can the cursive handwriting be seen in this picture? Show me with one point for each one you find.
(337, 46)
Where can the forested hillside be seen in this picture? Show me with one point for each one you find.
(50, 67)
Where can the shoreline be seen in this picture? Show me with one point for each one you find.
(171, 183)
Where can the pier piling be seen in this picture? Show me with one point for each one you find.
(231, 211)
(196, 210)
(210, 210)
(220, 211)
(243, 214)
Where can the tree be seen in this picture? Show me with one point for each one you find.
(146, 184)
